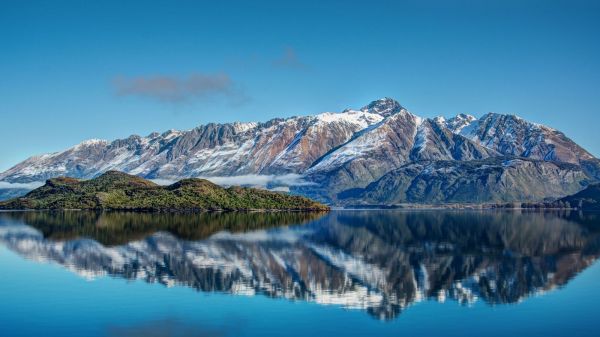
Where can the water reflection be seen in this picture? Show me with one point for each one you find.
(379, 261)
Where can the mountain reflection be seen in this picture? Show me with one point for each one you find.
(380, 261)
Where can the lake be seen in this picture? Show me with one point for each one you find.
(345, 273)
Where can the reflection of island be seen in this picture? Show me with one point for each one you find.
(381, 261)
(116, 228)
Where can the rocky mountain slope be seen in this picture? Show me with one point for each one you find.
(478, 181)
(329, 154)
(275, 147)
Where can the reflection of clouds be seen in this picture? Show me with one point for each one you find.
(168, 328)
(282, 235)
(18, 230)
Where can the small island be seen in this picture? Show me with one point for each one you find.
(115, 190)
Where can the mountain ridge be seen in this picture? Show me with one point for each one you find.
(331, 151)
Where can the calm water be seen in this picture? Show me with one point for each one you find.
(347, 273)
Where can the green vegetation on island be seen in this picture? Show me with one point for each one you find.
(115, 190)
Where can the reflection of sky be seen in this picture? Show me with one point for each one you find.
(39, 298)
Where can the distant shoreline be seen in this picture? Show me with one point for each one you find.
(166, 211)
(455, 207)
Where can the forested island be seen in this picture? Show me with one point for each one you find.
(115, 190)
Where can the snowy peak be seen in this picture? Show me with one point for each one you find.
(392, 139)
(402, 134)
(384, 107)
(92, 142)
(512, 135)
(363, 118)
(459, 122)
(455, 124)
(243, 127)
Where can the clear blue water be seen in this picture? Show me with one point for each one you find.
(347, 273)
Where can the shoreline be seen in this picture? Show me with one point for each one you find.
(167, 211)
(455, 207)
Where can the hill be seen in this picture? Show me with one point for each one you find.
(493, 180)
(587, 199)
(115, 190)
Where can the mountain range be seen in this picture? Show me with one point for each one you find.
(379, 154)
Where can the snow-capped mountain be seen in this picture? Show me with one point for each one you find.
(320, 156)
(275, 147)
(398, 140)
(512, 135)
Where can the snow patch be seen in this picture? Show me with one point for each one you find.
(421, 137)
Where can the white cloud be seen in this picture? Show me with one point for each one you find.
(280, 189)
(178, 89)
(163, 182)
(28, 186)
(273, 182)
(289, 59)
(290, 179)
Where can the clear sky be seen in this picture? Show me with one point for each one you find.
(73, 70)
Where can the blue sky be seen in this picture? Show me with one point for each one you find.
(73, 70)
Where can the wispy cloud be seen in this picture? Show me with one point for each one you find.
(163, 182)
(273, 182)
(26, 186)
(261, 180)
(174, 89)
(289, 59)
